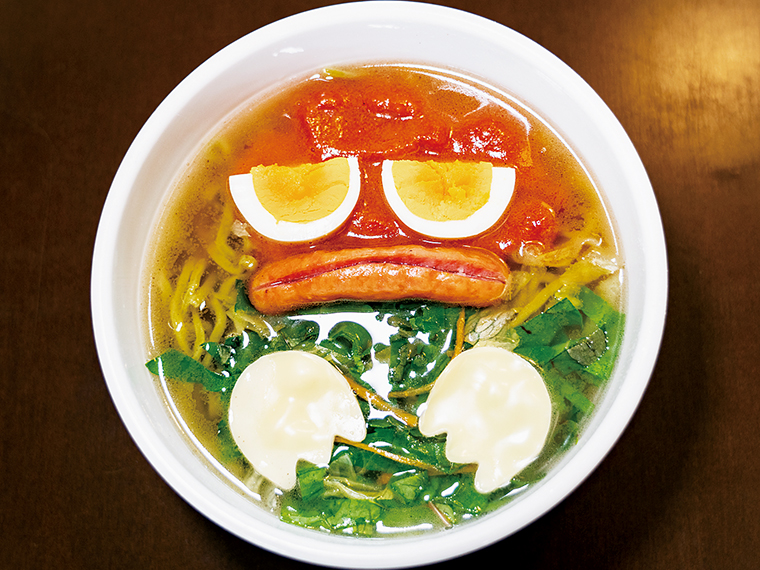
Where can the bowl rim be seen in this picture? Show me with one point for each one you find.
(348, 551)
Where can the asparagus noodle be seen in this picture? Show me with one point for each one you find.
(403, 459)
(381, 404)
(460, 334)
(410, 392)
(580, 273)
(406, 459)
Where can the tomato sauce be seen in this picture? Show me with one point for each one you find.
(379, 117)
(381, 113)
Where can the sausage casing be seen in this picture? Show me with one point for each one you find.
(463, 276)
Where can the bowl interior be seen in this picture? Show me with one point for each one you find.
(361, 32)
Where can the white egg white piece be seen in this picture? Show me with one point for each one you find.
(247, 201)
(502, 188)
(288, 406)
(496, 411)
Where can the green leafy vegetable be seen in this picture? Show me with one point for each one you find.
(421, 348)
(178, 366)
(408, 486)
(574, 343)
(351, 345)
(311, 480)
(396, 475)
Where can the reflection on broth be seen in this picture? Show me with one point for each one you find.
(528, 278)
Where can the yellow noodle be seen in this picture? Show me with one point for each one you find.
(182, 299)
(256, 324)
(537, 281)
(220, 251)
(227, 291)
(223, 234)
(176, 311)
(198, 288)
(221, 260)
(205, 292)
(184, 305)
(181, 336)
(200, 334)
(220, 323)
(247, 263)
(200, 295)
(192, 296)
(527, 287)
(238, 323)
(224, 255)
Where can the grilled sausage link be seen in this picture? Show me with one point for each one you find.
(462, 276)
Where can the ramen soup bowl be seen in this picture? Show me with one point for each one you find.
(452, 55)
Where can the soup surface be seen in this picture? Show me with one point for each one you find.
(390, 296)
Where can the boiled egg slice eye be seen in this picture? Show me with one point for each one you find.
(496, 411)
(290, 405)
(298, 203)
(447, 199)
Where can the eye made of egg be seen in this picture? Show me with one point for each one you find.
(298, 203)
(447, 200)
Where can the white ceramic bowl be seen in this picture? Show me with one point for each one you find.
(331, 36)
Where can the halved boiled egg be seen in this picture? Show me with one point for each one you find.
(298, 203)
(447, 199)
(290, 405)
(496, 411)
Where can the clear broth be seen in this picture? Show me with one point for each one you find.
(267, 131)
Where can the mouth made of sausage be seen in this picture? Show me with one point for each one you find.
(460, 276)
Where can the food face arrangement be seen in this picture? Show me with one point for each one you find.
(384, 300)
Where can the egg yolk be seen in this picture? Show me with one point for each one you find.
(442, 191)
(304, 193)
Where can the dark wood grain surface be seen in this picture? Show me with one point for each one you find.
(682, 487)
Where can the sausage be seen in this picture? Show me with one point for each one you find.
(462, 276)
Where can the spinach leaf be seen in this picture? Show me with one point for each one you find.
(421, 348)
(351, 346)
(178, 366)
(408, 486)
(310, 479)
(394, 437)
(574, 344)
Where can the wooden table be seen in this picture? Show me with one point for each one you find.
(682, 487)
